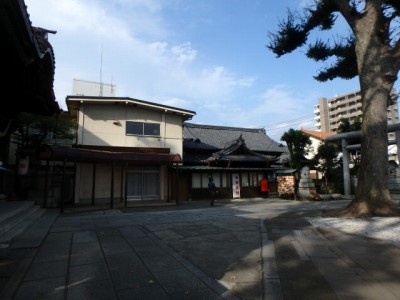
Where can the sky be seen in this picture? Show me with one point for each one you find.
(207, 56)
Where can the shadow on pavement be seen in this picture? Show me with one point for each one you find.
(330, 264)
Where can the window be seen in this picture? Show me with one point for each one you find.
(204, 179)
(245, 179)
(134, 128)
(151, 129)
(140, 128)
(253, 179)
(224, 180)
(217, 179)
(196, 180)
(143, 184)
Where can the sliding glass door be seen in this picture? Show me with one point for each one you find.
(143, 184)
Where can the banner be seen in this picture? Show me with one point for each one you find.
(23, 166)
(235, 185)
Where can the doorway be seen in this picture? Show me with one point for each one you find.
(143, 184)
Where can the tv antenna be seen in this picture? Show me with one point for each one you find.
(101, 71)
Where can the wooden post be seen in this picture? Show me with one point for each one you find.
(177, 184)
(63, 187)
(112, 185)
(93, 182)
(46, 185)
(126, 184)
(346, 168)
(122, 184)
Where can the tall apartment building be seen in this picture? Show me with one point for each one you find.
(329, 112)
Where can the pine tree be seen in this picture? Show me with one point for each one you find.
(371, 51)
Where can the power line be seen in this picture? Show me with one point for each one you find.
(291, 124)
(292, 120)
(276, 132)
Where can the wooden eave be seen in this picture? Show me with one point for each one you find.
(55, 153)
(74, 103)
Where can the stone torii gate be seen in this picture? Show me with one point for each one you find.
(344, 137)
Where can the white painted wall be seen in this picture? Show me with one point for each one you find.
(315, 143)
(97, 126)
(105, 125)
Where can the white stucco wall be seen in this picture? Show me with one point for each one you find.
(314, 147)
(103, 182)
(105, 125)
(84, 183)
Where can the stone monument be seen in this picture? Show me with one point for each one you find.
(306, 184)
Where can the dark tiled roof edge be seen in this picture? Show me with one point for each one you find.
(217, 127)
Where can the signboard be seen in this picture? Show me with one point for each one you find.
(235, 185)
(23, 166)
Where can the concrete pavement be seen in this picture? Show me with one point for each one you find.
(254, 249)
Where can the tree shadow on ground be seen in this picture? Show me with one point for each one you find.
(362, 209)
(330, 264)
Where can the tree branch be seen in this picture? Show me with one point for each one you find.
(393, 3)
(290, 36)
(396, 55)
(348, 11)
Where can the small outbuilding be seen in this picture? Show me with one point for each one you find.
(236, 158)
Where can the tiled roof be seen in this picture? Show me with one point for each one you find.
(229, 153)
(28, 61)
(209, 137)
(320, 135)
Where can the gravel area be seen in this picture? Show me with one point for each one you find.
(383, 228)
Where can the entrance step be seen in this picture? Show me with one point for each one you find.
(24, 224)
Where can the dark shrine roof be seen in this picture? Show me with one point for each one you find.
(214, 138)
(238, 151)
(28, 61)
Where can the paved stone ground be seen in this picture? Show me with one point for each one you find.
(258, 249)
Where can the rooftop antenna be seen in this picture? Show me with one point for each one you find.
(112, 87)
(101, 71)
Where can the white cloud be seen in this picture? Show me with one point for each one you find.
(184, 53)
(280, 99)
(145, 60)
(222, 75)
(106, 20)
(176, 102)
(268, 109)
(146, 5)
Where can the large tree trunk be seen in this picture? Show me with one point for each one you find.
(377, 76)
(373, 195)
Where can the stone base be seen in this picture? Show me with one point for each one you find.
(305, 185)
